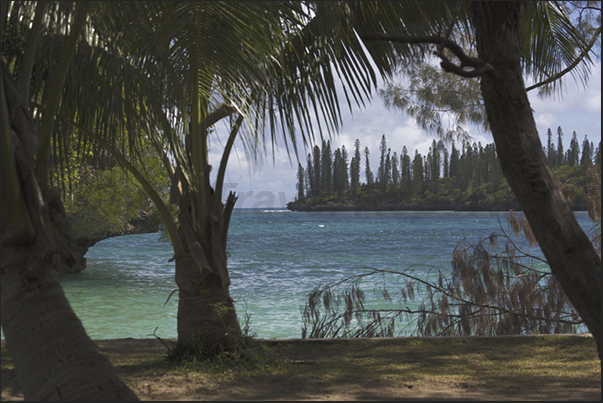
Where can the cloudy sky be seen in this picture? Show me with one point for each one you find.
(271, 184)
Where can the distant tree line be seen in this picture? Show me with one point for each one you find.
(467, 177)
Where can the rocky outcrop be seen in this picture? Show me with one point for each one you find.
(71, 249)
(144, 223)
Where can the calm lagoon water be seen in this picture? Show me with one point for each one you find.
(276, 257)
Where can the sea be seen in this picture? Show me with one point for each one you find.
(276, 257)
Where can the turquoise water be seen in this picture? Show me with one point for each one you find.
(276, 258)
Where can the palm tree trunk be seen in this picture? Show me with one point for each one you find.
(572, 258)
(205, 308)
(54, 358)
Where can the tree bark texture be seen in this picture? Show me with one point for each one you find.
(573, 260)
(54, 358)
(205, 308)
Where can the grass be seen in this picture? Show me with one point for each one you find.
(504, 362)
(501, 361)
(234, 354)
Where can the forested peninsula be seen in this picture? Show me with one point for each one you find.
(467, 178)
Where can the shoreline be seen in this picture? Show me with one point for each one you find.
(347, 339)
(344, 339)
(312, 209)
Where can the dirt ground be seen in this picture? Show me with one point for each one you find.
(402, 369)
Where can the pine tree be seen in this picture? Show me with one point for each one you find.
(587, 153)
(300, 182)
(382, 171)
(560, 153)
(405, 170)
(337, 176)
(317, 171)
(466, 170)
(395, 170)
(310, 178)
(427, 163)
(367, 169)
(551, 153)
(327, 168)
(355, 170)
(476, 166)
(472, 162)
(340, 172)
(417, 174)
(454, 162)
(446, 163)
(435, 164)
(573, 153)
(495, 172)
(308, 182)
(482, 164)
(387, 177)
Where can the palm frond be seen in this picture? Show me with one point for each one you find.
(551, 43)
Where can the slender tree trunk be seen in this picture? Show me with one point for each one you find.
(572, 258)
(54, 358)
(205, 308)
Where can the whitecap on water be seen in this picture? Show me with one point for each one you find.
(276, 211)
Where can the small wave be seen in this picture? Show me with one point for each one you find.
(276, 211)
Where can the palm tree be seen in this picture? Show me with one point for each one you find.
(264, 66)
(508, 39)
(53, 356)
(169, 71)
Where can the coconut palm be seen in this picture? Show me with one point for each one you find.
(270, 68)
(195, 64)
(53, 356)
(169, 71)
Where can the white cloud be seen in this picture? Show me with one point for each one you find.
(592, 102)
(579, 110)
(545, 119)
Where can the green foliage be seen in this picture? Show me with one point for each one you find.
(4, 353)
(467, 178)
(428, 91)
(103, 201)
(355, 169)
(300, 181)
